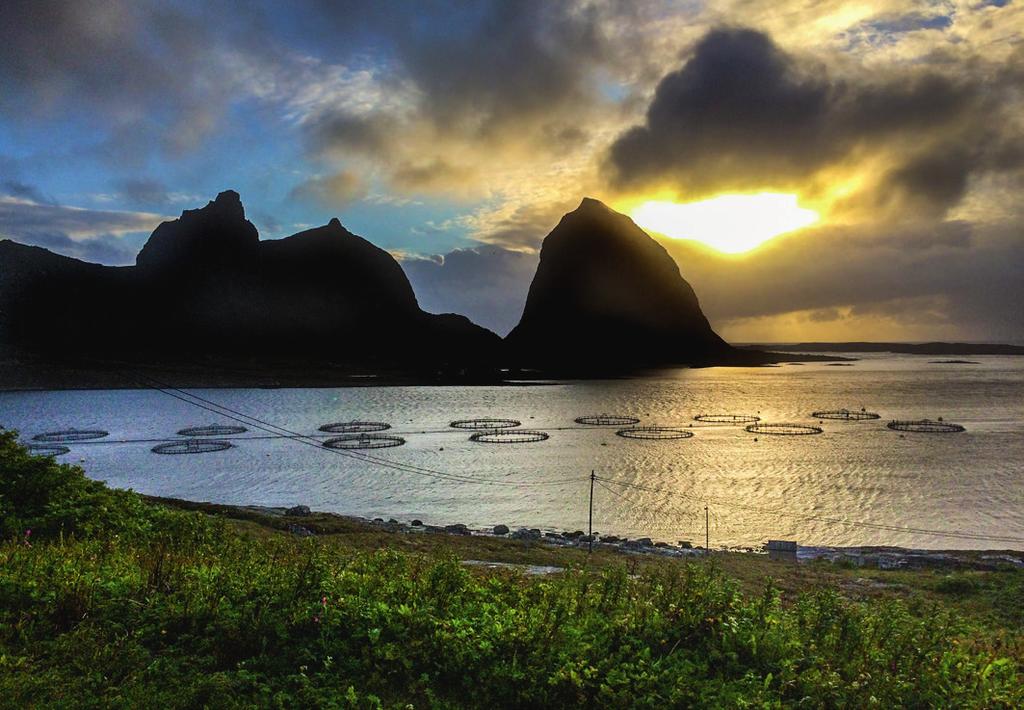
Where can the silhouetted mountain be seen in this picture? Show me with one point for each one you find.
(205, 286)
(607, 296)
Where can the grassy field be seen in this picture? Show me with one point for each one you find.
(108, 599)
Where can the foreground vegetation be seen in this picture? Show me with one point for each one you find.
(107, 599)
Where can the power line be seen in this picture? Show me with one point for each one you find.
(243, 418)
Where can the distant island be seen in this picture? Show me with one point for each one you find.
(936, 348)
(208, 303)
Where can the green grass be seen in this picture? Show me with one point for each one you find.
(113, 600)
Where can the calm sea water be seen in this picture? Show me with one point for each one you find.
(774, 487)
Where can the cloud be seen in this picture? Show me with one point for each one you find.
(22, 191)
(106, 236)
(330, 191)
(743, 114)
(968, 275)
(487, 284)
(474, 92)
(150, 77)
(106, 249)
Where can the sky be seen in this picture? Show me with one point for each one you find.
(456, 134)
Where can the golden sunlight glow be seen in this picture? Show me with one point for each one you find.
(729, 223)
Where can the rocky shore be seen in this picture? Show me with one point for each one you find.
(873, 557)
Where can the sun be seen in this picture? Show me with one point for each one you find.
(731, 224)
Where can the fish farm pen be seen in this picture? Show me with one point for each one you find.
(783, 429)
(926, 426)
(727, 418)
(354, 427)
(607, 420)
(485, 423)
(507, 436)
(654, 433)
(364, 441)
(47, 449)
(192, 446)
(215, 430)
(846, 415)
(69, 435)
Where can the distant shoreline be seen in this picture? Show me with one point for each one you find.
(934, 348)
(26, 373)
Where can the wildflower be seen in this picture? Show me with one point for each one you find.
(316, 619)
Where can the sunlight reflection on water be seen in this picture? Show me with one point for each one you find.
(854, 471)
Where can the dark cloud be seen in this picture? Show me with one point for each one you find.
(525, 227)
(341, 133)
(487, 284)
(743, 114)
(22, 190)
(480, 79)
(972, 273)
(330, 191)
(145, 191)
(148, 75)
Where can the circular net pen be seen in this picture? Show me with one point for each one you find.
(607, 420)
(214, 430)
(60, 437)
(192, 446)
(485, 423)
(727, 418)
(654, 433)
(845, 415)
(506, 436)
(926, 426)
(47, 450)
(363, 441)
(784, 429)
(354, 427)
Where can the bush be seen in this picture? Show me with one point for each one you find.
(41, 498)
(193, 613)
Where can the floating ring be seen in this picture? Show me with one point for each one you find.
(654, 433)
(506, 436)
(47, 450)
(847, 415)
(783, 429)
(364, 441)
(58, 437)
(215, 430)
(727, 418)
(354, 427)
(926, 426)
(607, 420)
(192, 446)
(485, 423)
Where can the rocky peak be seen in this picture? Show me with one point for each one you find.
(215, 235)
(605, 292)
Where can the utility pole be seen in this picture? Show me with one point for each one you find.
(707, 533)
(590, 525)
